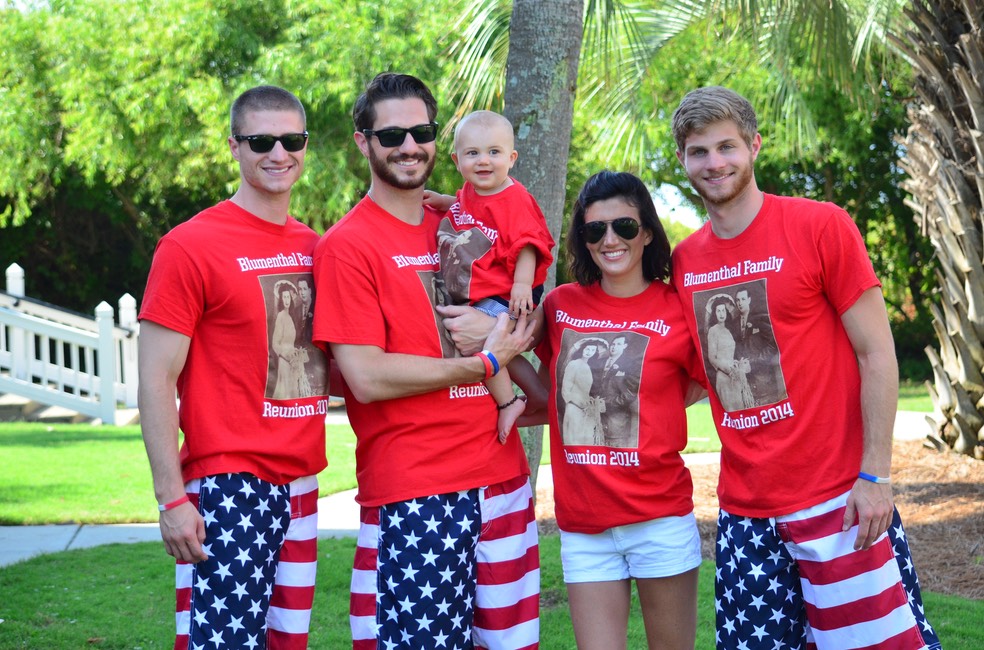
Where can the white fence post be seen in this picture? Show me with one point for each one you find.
(18, 343)
(106, 366)
(15, 280)
(128, 348)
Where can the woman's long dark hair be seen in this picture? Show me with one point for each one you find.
(609, 185)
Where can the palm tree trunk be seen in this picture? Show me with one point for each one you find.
(541, 79)
(944, 159)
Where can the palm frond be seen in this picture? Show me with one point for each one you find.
(478, 79)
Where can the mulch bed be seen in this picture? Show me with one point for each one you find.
(939, 495)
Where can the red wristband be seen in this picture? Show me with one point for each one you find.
(174, 504)
(487, 363)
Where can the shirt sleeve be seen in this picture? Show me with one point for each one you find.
(847, 268)
(348, 309)
(175, 294)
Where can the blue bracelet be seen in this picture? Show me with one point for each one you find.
(495, 362)
(873, 478)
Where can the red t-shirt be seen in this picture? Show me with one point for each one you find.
(795, 440)
(219, 278)
(379, 277)
(481, 238)
(620, 369)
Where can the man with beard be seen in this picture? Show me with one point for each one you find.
(447, 553)
(810, 548)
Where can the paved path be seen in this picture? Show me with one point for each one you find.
(338, 514)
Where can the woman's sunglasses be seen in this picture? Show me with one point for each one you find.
(625, 227)
(421, 134)
(264, 143)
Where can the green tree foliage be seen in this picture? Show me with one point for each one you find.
(113, 122)
(28, 132)
(114, 119)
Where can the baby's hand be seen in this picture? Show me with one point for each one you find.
(442, 202)
(521, 299)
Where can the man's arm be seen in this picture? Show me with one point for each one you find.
(867, 326)
(162, 354)
(373, 374)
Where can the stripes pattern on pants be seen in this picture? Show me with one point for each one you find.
(796, 582)
(452, 570)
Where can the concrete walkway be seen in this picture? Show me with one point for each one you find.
(338, 514)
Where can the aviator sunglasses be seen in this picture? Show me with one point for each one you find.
(264, 143)
(625, 227)
(421, 134)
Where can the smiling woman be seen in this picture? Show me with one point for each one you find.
(617, 469)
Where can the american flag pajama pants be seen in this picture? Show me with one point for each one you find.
(458, 570)
(256, 588)
(795, 582)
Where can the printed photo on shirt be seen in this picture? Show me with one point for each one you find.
(740, 354)
(438, 294)
(297, 368)
(458, 250)
(598, 374)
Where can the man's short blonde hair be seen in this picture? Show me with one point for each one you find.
(709, 105)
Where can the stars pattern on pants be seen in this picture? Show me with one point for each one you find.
(426, 571)
(896, 534)
(246, 521)
(757, 604)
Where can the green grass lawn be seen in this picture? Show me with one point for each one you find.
(914, 396)
(121, 597)
(66, 473)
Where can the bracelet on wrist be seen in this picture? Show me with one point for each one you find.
(485, 362)
(491, 363)
(515, 399)
(164, 507)
(883, 480)
(495, 362)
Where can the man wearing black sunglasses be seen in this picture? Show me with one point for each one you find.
(238, 502)
(447, 553)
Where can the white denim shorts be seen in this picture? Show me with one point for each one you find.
(658, 548)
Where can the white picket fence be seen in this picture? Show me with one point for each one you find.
(61, 358)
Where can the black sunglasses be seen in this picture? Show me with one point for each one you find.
(265, 143)
(421, 134)
(625, 227)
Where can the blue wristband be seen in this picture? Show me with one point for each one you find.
(495, 362)
(873, 478)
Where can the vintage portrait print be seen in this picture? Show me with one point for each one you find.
(598, 374)
(458, 250)
(297, 368)
(437, 293)
(740, 354)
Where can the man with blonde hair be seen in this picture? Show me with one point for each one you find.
(810, 548)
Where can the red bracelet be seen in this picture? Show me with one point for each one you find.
(174, 504)
(487, 363)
